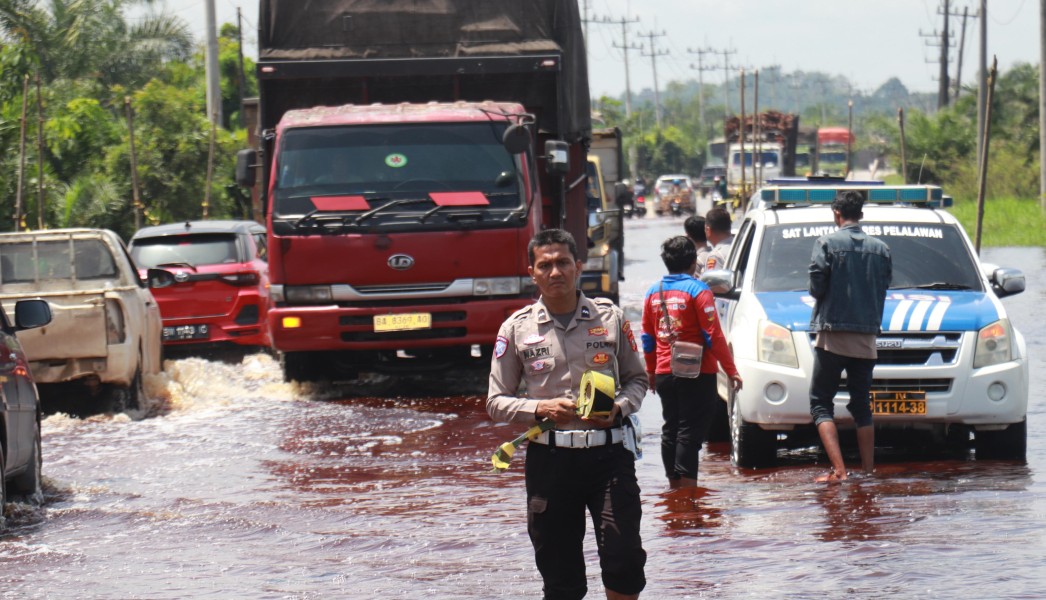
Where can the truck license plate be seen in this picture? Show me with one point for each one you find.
(899, 403)
(402, 322)
(186, 332)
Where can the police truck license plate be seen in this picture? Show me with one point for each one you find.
(186, 332)
(403, 322)
(899, 403)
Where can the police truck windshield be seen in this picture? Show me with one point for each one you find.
(414, 175)
(925, 256)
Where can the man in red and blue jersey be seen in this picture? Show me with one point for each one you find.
(680, 307)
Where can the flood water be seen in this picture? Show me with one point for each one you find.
(233, 484)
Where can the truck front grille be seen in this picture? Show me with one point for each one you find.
(942, 385)
(914, 348)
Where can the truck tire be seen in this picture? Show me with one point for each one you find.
(1007, 444)
(28, 482)
(116, 399)
(751, 446)
(297, 367)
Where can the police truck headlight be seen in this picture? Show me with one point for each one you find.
(993, 344)
(776, 345)
(307, 294)
(496, 286)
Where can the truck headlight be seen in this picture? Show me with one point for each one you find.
(496, 286)
(776, 345)
(993, 344)
(307, 294)
(597, 258)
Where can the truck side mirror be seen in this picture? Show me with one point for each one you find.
(556, 157)
(245, 167)
(516, 139)
(32, 313)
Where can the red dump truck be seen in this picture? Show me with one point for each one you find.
(409, 151)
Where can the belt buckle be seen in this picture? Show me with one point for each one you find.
(579, 439)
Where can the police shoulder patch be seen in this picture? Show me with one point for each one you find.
(500, 346)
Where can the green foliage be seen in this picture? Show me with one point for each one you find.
(90, 59)
(1007, 221)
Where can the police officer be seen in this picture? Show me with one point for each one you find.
(581, 463)
(717, 232)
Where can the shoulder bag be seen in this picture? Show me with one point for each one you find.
(686, 356)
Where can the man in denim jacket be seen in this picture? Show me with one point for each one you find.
(850, 273)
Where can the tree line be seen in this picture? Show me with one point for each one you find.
(69, 72)
(940, 145)
(76, 74)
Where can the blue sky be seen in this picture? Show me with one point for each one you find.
(867, 41)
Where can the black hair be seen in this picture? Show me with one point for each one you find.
(547, 237)
(849, 204)
(679, 254)
(718, 219)
(695, 228)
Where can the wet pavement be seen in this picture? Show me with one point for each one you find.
(233, 484)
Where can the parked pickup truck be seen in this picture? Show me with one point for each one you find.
(105, 332)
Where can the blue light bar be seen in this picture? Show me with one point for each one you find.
(875, 192)
(820, 181)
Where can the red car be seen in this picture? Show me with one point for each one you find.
(220, 295)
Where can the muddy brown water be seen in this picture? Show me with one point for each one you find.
(233, 484)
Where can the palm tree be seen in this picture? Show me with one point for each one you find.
(74, 39)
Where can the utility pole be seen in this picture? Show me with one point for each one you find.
(962, 50)
(1042, 104)
(242, 80)
(214, 91)
(942, 61)
(701, 68)
(653, 54)
(625, 46)
(726, 78)
(942, 91)
(982, 78)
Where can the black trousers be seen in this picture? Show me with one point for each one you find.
(561, 484)
(687, 406)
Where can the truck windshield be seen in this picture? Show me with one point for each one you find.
(768, 158)
(925, 256)
(398, 175)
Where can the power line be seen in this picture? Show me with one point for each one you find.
(625, 47)
(653, 54)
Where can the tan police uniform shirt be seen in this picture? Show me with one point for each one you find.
(717, 257)
(533, 349)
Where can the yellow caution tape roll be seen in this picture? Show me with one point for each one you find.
(597, 395)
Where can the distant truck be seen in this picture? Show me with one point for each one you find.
(408, 155)
(605, 267)
(104, 337)
(769, 141)
(834, 148)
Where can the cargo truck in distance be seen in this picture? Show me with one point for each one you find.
(834, 148)
(407, 157)
(768, 142)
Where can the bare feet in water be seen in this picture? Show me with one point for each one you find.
(832, 477)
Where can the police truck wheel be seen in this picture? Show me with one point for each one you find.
(751, 446)
(1007, 444)
(719, 430)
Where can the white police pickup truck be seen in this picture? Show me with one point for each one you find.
(950, 362)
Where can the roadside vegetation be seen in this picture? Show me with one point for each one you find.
(91, 58)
